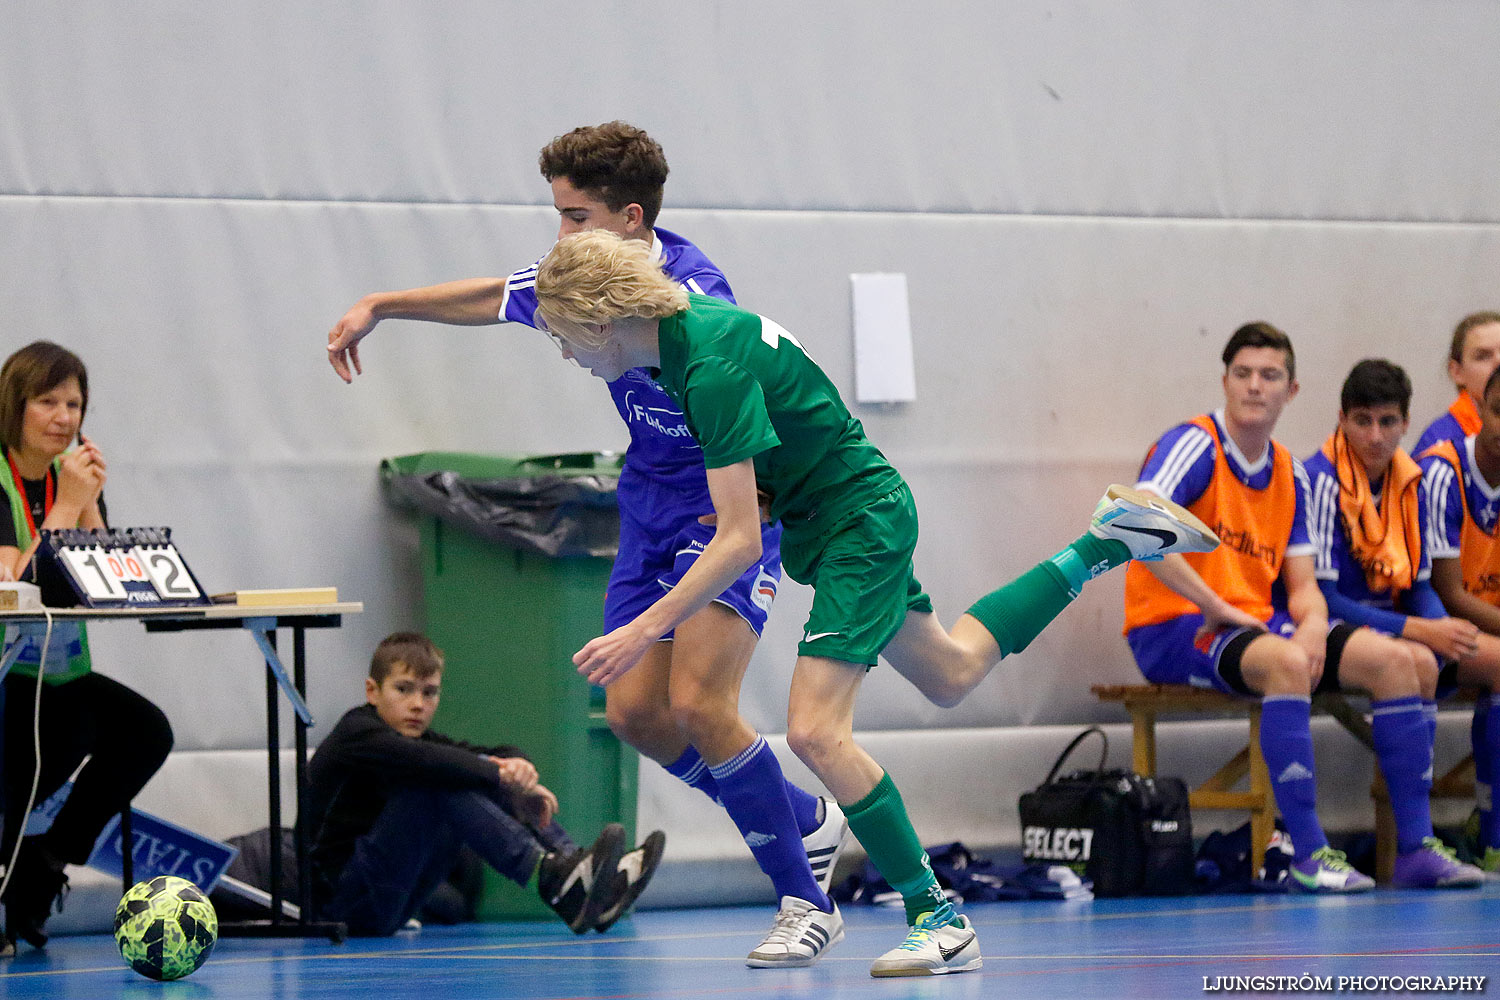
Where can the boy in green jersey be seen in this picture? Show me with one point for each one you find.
(769, 420)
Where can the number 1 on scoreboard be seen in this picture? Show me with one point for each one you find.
(93, 568)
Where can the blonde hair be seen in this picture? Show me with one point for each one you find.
(596, 277)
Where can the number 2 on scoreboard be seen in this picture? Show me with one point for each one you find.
(168, 573)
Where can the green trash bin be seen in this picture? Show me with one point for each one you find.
(516, 553)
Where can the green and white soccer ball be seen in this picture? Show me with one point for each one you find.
(165, 927)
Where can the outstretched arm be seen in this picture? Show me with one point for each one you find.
(468, 302)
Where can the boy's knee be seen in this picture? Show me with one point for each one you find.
(1284, 668)
(638, 724)
(815, 742)
(803, 740)
(698, 715)
(1390, 668)
(945, 691)
(1425, 663)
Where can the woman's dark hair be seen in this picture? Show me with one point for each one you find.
(37, 368)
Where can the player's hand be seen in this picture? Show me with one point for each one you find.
(516, 772)
(5, 573)
(1221, 619)
(1450, 638)
(1312, 636)
(344, 338)
(608, 657)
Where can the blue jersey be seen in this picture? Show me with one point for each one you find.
(1444, 524)
(1181, 466)
(1341, 577)
(662, 449)
(1444, 428)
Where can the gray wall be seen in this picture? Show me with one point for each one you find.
(1087, 198)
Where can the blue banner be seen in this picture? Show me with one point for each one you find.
(162, 848)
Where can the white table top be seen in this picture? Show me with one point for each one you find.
(206, 612)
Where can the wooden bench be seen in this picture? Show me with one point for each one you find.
(1145, 702)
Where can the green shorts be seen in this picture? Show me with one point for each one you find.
(862, 579)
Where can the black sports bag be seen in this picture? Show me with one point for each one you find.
(1130, 835)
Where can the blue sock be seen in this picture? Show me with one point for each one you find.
(1400, 730)
(1429, 715)
(692, 770)
(1286, 744)
(804, 808)
(1486, 736)
(753, 791)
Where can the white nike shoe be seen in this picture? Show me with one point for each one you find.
(826, 843)
(934, 947)
(1150, 526)
(798, 937)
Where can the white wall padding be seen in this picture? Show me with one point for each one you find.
(1289, 109)
(204, 324)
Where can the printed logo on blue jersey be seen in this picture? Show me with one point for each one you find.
(642, 408)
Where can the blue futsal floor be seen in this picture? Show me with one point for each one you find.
(1105, 949)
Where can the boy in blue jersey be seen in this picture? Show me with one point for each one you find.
(1473, 355)
(771, 422)
(1461, 486)
(681, 707)
(1365, 523)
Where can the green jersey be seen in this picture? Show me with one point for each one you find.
(749, 390)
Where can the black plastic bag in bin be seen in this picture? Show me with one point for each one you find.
(567, 508)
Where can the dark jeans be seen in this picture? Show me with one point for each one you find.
(125, 737)
(413, 845)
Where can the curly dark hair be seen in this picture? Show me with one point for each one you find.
(617, 163)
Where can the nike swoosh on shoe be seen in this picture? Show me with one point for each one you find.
(948, 953)
(1166, 537)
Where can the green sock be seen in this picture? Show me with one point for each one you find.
(1017, 612)
(880, 822)
(1098, 555)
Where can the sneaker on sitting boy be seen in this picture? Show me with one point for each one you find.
(580, 886)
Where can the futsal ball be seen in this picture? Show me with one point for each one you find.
(165, 927)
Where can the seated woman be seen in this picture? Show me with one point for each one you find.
(49, 483)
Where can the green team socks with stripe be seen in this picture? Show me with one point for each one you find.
(880, 822)
(1017, 612)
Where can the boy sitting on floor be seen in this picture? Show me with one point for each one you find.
(390, 803)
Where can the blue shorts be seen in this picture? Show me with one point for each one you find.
(1167, 653)
(660, 538)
